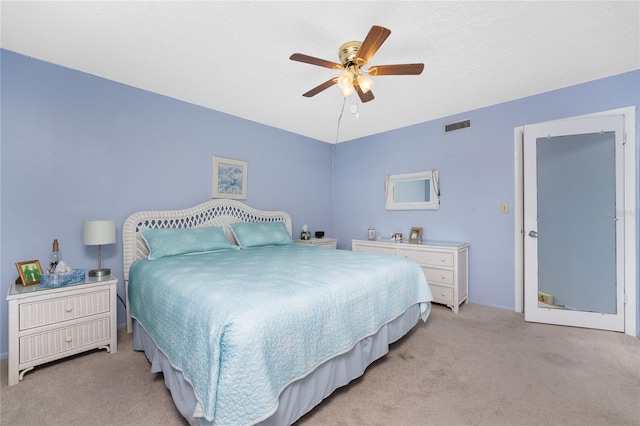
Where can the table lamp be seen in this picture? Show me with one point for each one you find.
(97, 233)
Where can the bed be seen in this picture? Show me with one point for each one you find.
(248, 327)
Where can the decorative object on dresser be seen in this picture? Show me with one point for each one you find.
(64, 275)
(371, 234)
(396, 237)
(54, 257)
(49, 324)
(445, 264)
(415, 236)
(97, 233)
(229, 178)
(319, 234)
(329, 243)
(29, 271)
(305, 234)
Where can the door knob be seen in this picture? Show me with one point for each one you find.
(533, 234)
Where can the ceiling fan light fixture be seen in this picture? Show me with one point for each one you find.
(347, 91)
(345, 82)
(365, 82)
(345, 79)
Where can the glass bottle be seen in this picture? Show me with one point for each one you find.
(54, 257)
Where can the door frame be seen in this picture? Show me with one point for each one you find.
(630, 265)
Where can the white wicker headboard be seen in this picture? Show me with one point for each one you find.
(212, 213)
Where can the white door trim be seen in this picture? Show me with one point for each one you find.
(629, 215)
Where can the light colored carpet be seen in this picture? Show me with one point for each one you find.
(483, 366)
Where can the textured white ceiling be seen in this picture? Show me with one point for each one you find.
(234, 56)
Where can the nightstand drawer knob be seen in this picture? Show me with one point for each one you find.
(69, 308)
(68, 339)
(443, 259)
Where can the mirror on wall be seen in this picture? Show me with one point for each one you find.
(413, 191)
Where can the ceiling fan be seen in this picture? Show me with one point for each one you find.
(354, 55)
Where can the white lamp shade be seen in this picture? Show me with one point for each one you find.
(98, 232)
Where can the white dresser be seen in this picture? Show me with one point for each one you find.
(329, 243)
(49, 324)
(445, 264)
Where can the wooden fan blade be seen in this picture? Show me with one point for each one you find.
(315, 61)
(364, 97)
(377, 35)
(402, 69)
(320, 88)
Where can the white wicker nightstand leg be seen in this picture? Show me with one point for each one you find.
(21, 375)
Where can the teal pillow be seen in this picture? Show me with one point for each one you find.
(255, 234)
(173, 241)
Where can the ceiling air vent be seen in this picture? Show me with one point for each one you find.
(458, 125)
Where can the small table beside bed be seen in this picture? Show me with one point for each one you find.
(248, 327)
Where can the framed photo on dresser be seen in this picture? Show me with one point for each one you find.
(29, 272)
(415, 236)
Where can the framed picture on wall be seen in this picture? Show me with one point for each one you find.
(29, 272)
(229, 178)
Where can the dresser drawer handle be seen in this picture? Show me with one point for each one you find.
(442, 259)
(442, 277)
(69, 308)
(69, 339)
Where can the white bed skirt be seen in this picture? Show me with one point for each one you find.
(300, 396)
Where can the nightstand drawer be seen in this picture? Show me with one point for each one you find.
(426, 258)
(327, 243)
(441, 276)
(60, 340)
(442, 294)
(51, 311)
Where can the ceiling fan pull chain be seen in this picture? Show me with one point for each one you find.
(354, 109)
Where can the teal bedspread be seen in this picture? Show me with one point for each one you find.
(243, 324)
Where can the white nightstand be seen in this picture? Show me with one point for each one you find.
(46, 324)
(328, 243)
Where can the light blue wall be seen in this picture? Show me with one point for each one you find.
(77, 147)
(476, 175)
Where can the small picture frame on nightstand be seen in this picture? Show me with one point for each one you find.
(415, 236)
(29, 271)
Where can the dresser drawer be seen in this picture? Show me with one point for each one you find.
(376, 250)
(442, 294)
(441, 276)
(52, 342)
(428, 258)
(55, 310)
